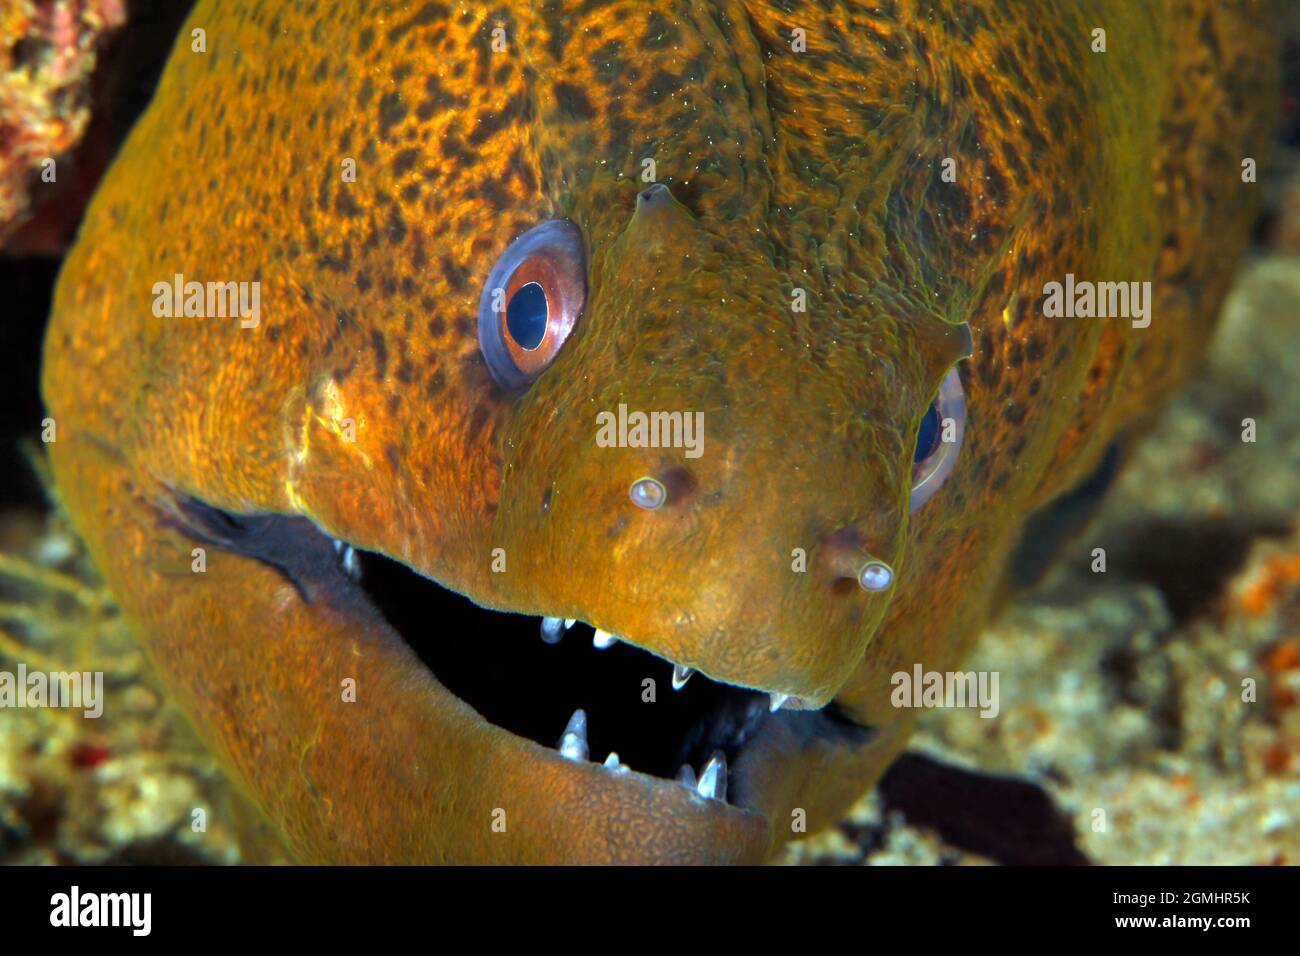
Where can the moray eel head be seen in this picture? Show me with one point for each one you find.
(741, 549)
(592, 331)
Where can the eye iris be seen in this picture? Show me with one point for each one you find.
(927, 436)
(526, 316)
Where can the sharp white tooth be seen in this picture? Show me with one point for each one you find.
(713, 778)
(569, 622)
(338, 545)
(613, 763)
(552, 630)
(686, 776)
(777, 701)
(681, 674)
(351, 567)
(573, 743)
(603, 639)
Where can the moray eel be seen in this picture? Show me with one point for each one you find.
(469, 237)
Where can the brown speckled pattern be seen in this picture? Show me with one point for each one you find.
(817, 170)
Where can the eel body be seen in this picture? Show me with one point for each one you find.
(451, 244)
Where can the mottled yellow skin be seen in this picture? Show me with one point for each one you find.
(818, 170)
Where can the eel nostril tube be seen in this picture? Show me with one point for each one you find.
(653, 193)
(875, 576)
(648, 493)
(847, 558)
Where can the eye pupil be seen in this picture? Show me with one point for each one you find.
(526, 316)
(927, 436)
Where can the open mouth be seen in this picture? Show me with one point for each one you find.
(564, 685)
(584, 694)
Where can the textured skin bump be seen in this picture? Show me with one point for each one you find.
(818, 170)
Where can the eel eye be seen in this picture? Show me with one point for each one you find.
(531, 301)
(936, 457)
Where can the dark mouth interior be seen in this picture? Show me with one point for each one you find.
(498, 663)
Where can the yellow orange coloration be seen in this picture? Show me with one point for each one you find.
(360, 401)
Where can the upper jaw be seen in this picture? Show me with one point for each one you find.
(554, 628)
(745, 647)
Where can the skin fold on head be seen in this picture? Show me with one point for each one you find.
(798, 220)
